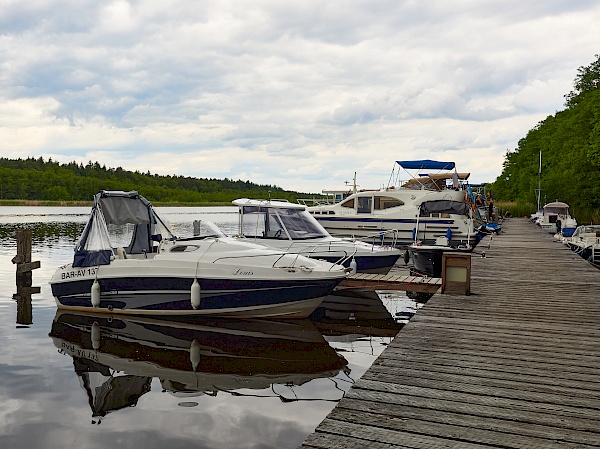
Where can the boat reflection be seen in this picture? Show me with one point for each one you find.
(117, 358)
(355, 312)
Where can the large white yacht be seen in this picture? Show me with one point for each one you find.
(428, 206)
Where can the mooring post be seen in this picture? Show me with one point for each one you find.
(24, 278)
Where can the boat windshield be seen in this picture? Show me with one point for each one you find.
(280, 223)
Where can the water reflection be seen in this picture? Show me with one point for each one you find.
(140, 380)
(355, 312)
(116, 358)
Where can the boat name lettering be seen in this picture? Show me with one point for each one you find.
(78, 273)
(243, 272)
(84, 353)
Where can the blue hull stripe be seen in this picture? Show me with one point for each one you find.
(381, 220)
(365, 263)
(174, 293)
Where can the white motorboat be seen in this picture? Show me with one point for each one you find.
(556, 218)
(161, 274)
(289, 227)
(435, 200)
(585, 241)
(117, 358)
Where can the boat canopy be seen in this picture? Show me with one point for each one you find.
(426, 164)
(277, 220)
(118, 208)
(444, 207)
(556, 207)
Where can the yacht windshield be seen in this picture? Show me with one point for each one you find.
(280, 223)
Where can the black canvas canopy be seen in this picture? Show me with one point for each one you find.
(444, 207)
(118, 208)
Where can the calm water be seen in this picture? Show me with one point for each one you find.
(71, 381)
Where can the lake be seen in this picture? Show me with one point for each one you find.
(75, 381)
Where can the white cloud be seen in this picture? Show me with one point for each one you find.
(300, 95)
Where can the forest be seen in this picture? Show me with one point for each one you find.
(38, 180)
(569, 143)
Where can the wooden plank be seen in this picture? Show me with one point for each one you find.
(516, 364)
(28, 266)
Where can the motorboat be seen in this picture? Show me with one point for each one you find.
(436, 200)
(427, 260)
(585, 241)
(556, 218)
(117, 358)
(158, 273)
(289, 227)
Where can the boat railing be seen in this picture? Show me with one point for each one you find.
(311, 202)
(294, 263)
(388, 237)
(323, 249)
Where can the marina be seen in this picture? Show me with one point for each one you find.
(507, 365)
(74, 379)
(513, 365)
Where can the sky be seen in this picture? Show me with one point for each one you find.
(301, 95)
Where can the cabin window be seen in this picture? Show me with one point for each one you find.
(184, 248)
(364, 204)
(386, 202)
(349, 203)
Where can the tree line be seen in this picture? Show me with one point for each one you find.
(37, 179)
(569, 143)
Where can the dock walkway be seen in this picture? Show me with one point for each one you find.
(514, 365)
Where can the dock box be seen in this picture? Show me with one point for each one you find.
(456, 273)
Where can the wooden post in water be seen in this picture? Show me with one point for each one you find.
(24, 278)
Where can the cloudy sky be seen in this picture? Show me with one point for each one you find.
(297, 94)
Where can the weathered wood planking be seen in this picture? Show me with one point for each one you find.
(390, 282)
(514, 365)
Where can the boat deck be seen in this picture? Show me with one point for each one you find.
(514, 365)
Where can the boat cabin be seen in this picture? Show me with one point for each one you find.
(279, 220)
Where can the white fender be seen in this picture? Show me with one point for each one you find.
(195, 354)
(195, 294)
(95, 335)
(95, 293)
(353, 266)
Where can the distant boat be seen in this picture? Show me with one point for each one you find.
(556, 217)
(585, 241)
(390, 215)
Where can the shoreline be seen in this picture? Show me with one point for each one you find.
(32, 203)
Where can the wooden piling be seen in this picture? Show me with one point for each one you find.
(24, 276)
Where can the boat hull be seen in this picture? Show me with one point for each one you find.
(171, 296)
(401, 231)
(368, 264)
(427, 260)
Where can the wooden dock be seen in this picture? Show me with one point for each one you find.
(390, 282)
(514, 365)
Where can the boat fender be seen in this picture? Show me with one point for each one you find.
(195, 294)
(195, 354)
(95, 293)
(95, 335)
(449, 234)
(406, 257)
(353, 266)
